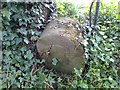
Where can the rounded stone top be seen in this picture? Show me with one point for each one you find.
(62, 40)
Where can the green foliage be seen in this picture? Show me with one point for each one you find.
(66, 9)
(22, 25)
(101, 50)
(54, 61)
(71, 10)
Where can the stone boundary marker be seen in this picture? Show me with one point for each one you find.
(60, 43)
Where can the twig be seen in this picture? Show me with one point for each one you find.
(49, 85)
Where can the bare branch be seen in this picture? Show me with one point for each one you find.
(90, 12)
(96, 13)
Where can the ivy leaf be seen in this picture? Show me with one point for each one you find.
(54, 61)
(112, 60)
(85, 42)
(18, 40)
(102, 33)
(26, 40)
(23, 49)
(83, 85)
(41, 77)
(98, 38)
(12, 36)
(104, 36)
(110, 78)
(6, 13)
(7, 53)
(22, 31)
(28, 55)
(50, 80)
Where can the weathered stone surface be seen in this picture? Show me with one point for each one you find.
(61, 39)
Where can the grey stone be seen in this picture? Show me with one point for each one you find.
(62, 40)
